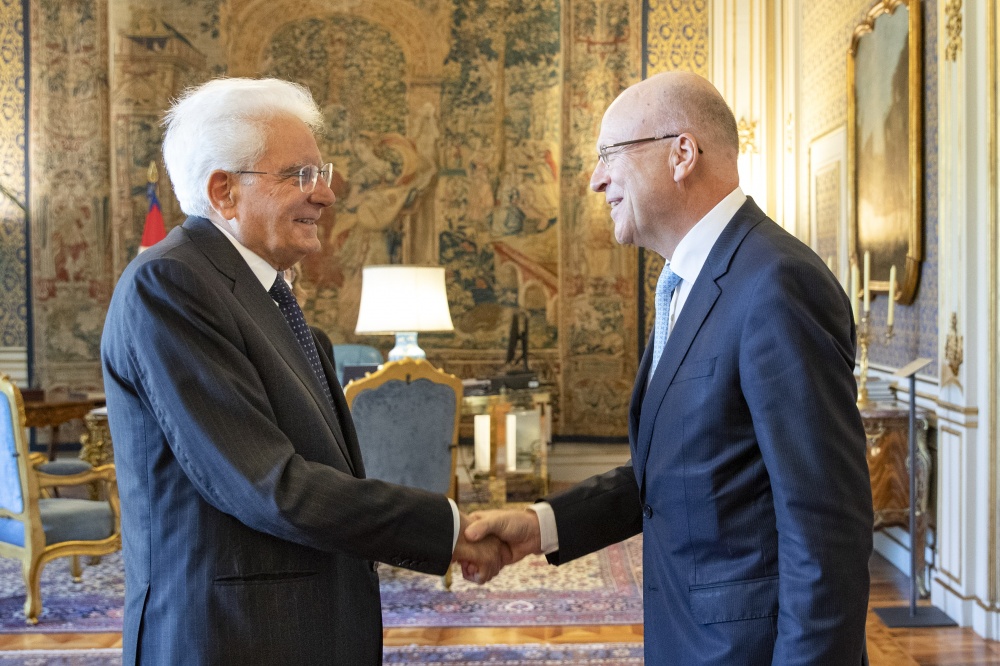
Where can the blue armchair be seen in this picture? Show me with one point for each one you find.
(407, 416)
(35, 529)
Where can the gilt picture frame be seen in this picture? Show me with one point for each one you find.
(885, 144)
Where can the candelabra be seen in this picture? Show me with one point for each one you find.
(865, 338)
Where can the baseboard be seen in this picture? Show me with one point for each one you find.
(893, 543)
(968, 611)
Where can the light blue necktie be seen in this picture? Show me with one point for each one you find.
(290, 309)
(664, 292)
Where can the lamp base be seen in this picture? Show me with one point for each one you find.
(406, 347)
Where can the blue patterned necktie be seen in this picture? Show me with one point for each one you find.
(664, 292)
(290, 309)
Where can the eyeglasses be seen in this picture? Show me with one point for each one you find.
(603, 155)
(307, 175)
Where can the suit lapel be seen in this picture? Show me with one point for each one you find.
(699, 304)
(635, 406)
(257, 302)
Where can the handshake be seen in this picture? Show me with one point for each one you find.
(490, 540)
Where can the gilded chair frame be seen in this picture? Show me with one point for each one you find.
(35, 554)
(409, 370)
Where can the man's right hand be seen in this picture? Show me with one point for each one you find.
(519, 529)
(483, 559)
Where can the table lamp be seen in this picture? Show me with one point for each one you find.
(403, 300)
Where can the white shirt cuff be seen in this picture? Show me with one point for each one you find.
(457, 521)
(546, 526)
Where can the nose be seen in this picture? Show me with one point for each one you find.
(599, 180)
(323, 195)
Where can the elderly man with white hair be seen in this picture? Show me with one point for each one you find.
(250, 531)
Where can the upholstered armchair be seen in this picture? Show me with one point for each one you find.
(35, 529)
(406, 415)
(354, 355)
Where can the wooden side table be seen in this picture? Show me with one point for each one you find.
(887, 431)
(44, 414)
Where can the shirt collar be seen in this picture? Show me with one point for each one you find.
(262, 270)
(693, 250)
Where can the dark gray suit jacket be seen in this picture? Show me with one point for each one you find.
(750, 483)
(248, 527)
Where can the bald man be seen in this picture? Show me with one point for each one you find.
(748, 476)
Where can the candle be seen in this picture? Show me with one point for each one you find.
(868, 276)
(892, 294)
(853, 289)
(511, 442)
(481, 432)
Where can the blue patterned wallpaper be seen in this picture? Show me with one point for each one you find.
(13, 256)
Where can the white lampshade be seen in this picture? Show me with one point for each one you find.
(403, 300)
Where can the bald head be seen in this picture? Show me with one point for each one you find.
(668, 151)
(682, 102)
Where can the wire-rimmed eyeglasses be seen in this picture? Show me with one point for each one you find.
(307, 175)
(602, 151)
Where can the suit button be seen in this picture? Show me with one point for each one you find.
(647, 511)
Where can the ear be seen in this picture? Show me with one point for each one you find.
(684, 156)
(220, 194)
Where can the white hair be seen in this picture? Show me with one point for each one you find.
(221, 125)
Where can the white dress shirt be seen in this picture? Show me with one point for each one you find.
(687, 261)
(265, 273)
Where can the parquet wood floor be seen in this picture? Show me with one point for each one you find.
(886, 647)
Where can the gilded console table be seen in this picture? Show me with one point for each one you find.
(46, 414)
(887, 432)
(95, 444)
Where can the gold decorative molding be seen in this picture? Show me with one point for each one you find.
(747, 130)
(953, 26)
(965, 410)
(953, 355)
(959, 440)
(989, 607)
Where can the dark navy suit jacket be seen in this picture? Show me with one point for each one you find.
(248, 527)
(748, 475)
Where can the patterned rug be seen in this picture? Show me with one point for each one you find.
(602, 588)
(604, 654)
